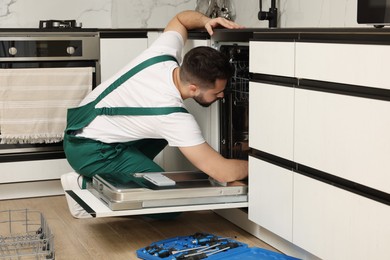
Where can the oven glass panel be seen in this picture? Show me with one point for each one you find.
(60, 48)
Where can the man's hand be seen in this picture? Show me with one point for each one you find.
(206, 159)
(219, 21)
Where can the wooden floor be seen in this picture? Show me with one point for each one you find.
(119, 237)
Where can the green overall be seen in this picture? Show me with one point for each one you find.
(117, 162)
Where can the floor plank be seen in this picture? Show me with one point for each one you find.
(118, 238)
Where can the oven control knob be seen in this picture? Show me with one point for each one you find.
(12, 50)
(70, 50)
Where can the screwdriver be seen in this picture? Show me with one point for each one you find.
(202, 250)
(166, 252)
(152, 249)
(163, 253)
(206, 240)
(207, 252)
(188, 249)
(202, 255)
(193, 253)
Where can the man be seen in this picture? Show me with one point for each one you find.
(127, 120)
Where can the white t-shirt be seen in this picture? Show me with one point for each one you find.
(151, 87)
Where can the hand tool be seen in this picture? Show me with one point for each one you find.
(207, 252)
(188, 249)
(201, 250)
(207, 239)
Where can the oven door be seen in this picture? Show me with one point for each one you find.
(24, 151)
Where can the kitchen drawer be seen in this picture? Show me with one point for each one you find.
(344, 136)
(275, 58)
(271, 109)
(33, 171)
(270, 197)
(356, 64)
(332, 223)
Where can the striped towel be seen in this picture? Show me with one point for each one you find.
(34, 102)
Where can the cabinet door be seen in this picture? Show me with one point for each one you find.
(271, 109)
(356, 64)
(332, 223)
(116, 53)
(345, 136)
(275, 58)
(270, 197)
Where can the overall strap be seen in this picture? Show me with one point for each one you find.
(139, 111)
(79, 117)
(136, 111)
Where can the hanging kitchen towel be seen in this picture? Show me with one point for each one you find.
(34, 102)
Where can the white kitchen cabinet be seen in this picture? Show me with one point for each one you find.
(270, 57)
(338, 109)
(37, 178)
(271, 115)
(115, 53)
(346, 136)
(271, 197)
(336, 224)
(356, 64)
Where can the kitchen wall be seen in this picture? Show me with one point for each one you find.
(156, 13)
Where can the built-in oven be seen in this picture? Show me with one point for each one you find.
(25, 52)
(41, 75)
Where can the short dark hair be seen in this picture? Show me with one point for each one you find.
(204, 65)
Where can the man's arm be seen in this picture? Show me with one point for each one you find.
(206, 159)
(188, 20)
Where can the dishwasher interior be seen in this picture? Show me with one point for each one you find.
(234, 120)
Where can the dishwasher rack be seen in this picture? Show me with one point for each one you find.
(25, 234)
(239, 83)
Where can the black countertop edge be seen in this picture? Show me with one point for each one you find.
(362, 34)
(379, 36)
(103, 33)
(312, 30)
(218, 30)
(142, 33)
(80, 30)
(345, 34)
(29, 30)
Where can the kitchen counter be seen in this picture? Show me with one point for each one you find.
(369, 34)
(103, 32)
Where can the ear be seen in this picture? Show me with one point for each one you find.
(194, 90)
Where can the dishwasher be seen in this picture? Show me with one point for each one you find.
(180, 191)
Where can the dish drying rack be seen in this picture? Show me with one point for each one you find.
(239, 83)
(24, 234)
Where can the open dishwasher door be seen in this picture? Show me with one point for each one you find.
(164, 192)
